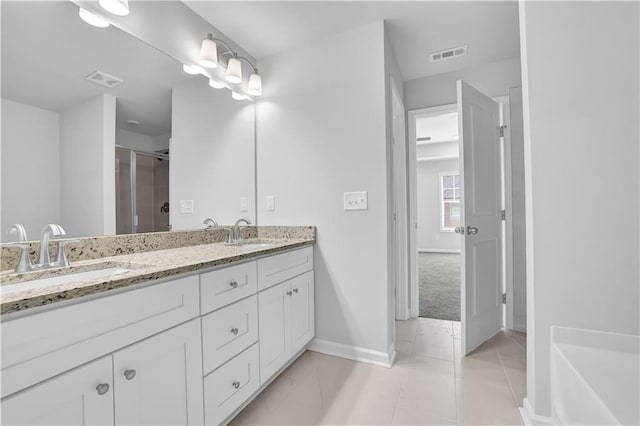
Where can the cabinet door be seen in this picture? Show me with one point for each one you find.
(302, 311)
(82, 396)
(159, 380)
(274, 325)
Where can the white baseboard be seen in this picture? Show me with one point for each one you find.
(354, 352)
(425, 250)
(530, 418)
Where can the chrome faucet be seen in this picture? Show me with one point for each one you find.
(44, 260)
(17, 228)
(211, 223)
(235, 234)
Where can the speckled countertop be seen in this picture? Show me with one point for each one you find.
(145, 266)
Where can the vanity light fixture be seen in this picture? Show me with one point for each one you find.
(216, 84)
(238, 96)
(92, 19)
(209, 58)
(190, 69)
(117, 7)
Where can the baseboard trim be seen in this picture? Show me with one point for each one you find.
(530, 418)
(425, 250)
(354, 353)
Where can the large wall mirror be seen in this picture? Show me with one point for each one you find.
(104, 134)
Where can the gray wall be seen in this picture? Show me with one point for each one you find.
(581, 109)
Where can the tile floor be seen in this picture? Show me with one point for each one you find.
(429, 384)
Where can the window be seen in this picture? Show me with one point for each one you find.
(449, 201)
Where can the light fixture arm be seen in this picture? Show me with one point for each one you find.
(230, 50)
(242, 58)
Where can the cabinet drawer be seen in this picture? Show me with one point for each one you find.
(42, 345)
(224, 286)
(228, 387)
(229, 331)
(275, 269)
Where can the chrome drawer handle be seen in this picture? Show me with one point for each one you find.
(233, 284)
(236, 384)
(295, 290)
(289, 293)
(102, 388)
(234, 331)
(129, 374)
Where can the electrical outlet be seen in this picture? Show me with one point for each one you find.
(271, 203)
(186, 206)
(244, 204)
(356, 200)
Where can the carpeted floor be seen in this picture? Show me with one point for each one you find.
(439, 278)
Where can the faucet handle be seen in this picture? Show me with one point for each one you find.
(24, 264)
(61, 256)
(232, 237)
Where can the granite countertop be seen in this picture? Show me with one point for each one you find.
(145, 266)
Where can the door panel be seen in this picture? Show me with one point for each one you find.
(71, 398)
(302, 314)
(481, 287)
(166, 386)
(274, 319)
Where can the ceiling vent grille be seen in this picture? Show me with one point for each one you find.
(448, 54)
(104, 79)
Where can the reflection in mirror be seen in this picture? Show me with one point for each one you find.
(88, 117)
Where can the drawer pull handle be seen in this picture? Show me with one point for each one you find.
(234, 331)
(129, 374)
(102, 388)
(236, 384)
(233, 284)
(295, 290)
(289, 293)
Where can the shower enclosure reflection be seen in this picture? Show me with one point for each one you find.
(142, 191)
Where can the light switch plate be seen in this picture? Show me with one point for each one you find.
(244, 204)
(186, 206)
(356, 200)
(271, 203)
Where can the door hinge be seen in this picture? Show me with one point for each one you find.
(504, 215)
(504, 298)
(502, 131)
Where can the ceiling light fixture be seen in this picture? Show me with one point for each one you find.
(92, 19)
(209, 58)
(117, 7)
(190, 69)
(216, 84)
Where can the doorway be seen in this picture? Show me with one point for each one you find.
(438, 212)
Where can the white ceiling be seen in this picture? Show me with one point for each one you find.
(264, 28)
(47, 51)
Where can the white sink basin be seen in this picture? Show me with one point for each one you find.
(254, 245)
(106, 273)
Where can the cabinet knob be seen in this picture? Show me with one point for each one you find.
(234, 331)
(102, 388)
(295, 290)
(289, 293)
(236, 384)
(233, 284)
(129, 374)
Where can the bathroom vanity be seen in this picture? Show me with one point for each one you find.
(189, 335)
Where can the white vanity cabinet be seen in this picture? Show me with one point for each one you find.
(82, 396)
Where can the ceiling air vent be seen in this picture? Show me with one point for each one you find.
(103, 79)
(448, 54)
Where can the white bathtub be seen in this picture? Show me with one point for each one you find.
(595, 377)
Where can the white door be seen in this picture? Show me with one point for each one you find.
(302, 312)
(481, 287)
(274, 317)
(82, 396)
(158, 381)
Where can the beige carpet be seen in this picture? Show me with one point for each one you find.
(439, 279)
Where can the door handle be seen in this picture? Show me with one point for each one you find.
(472, 230)
(459, 230)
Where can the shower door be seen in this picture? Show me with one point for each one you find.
(142, 191)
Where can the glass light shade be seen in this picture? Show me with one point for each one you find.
(234, 71)
(117, 7)
(92, 19)
(255, 85)
(190, 69)
(237, 96)
(216, 84)
(209, 53)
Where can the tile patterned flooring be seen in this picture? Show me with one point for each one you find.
(429, 384)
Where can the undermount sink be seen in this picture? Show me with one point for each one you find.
(254, 244)
(104, 273)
